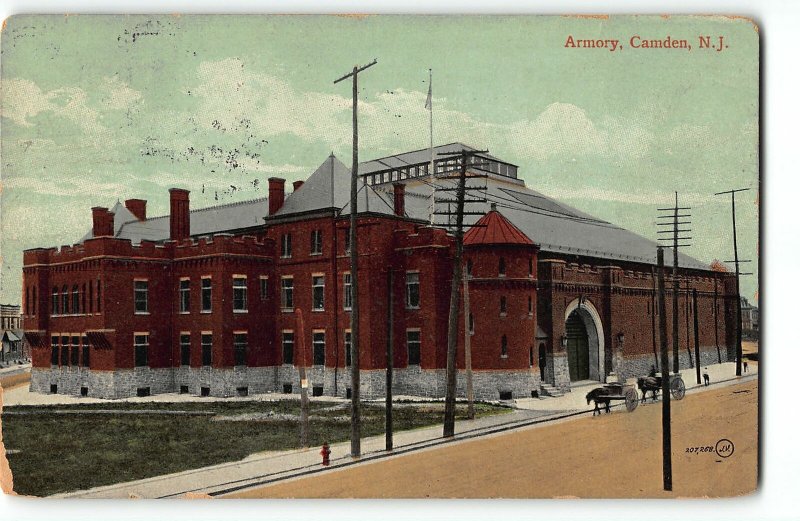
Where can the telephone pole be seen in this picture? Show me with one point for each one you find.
(677, 240)
(666, 428)
(468, 352)
(355, 415)
(738, 273)
(696, 336)
(452, 329)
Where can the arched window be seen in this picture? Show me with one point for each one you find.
(55, 301)
(501, 268)
(75, 300)
(530, 266)
(469, 267)
(503, 346)
(64, 300)
(530, 305)
(530, 357)
(471, 324)
(503, 306)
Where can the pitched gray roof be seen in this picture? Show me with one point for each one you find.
(554, 226)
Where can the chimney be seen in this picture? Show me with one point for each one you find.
(296, 185)
(400, 199)
(275, 194)
(178, 214)
(138, 207)
(102, 222)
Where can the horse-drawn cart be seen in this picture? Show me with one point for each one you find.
(653, 383)
(623, 392)
(613, 392)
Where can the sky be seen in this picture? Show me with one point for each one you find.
(100, 108)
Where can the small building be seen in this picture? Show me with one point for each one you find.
(12, 350)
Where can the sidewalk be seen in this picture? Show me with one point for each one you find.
(264, 468)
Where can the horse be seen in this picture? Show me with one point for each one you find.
(649, 383)
(599, 395)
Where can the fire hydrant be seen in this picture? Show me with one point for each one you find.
(326, 454)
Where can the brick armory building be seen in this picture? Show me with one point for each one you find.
(230, 300)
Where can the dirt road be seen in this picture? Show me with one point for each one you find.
(616, 455)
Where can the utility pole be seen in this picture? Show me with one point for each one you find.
(468, 352)
(676, 240)
(390, 363)
(738, 295)
(355, 415)
(300, 342)
(688, 342)
(696, 336)
(716, 322)
(452, 329)
(666, 432)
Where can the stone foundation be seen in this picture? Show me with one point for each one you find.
(238, 381)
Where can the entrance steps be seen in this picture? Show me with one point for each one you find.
(549, 391)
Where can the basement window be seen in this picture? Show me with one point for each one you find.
(143, 391)
(287, 388)
(505, 395)
(242, 391)
(316, 391)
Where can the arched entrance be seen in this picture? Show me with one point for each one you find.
(585, 345)
(577, 348)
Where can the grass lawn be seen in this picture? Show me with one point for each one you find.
(63, 452)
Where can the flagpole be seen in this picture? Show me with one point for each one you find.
(432, 171)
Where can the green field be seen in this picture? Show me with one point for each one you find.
(68, 447)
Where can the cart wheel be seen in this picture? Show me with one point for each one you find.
(677, 388)
(631, 400)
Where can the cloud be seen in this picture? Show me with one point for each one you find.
(23, 99)
(117, 95)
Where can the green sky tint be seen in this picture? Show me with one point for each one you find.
(100, 108)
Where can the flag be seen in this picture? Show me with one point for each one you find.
(428, 102)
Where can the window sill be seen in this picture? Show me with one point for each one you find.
(287, 310)
(315, 254)
(240, 311)
(504, 356)
(412, 308)
(141, 312)
(205, 312)
(184, 312)
(318, 310)
(285, 256)
(347, 310)
(503, 314)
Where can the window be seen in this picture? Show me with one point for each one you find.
(141, 343)
(75, 352)
(501, 268)
(503, 346)
(413, 343)
(54, 350)
(55, 301)
(205, 294)
(530, 305)
(503, 306)
(469, 267)
(240, 349)
(75, 300)
(318, 341)
(86, 350)
(64, 350)
(287, 293)
(186, 349)
(316, 242)
(471, 324)
(205, 344)
(412, 289)
(263, 282)
(83, 298)
(239, 293)
(64, 300)
(288, 347)
(99, 299)
(530, 357)
(318, 292)
(347, 283)
(184, 295)
(348, 348)
(91, 298)
(140, 296)
(530, 266)
(286, 245)
(347, 240)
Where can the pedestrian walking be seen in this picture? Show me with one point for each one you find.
(706, 379)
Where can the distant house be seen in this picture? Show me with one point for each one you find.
(749, 318)
(12, 348)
